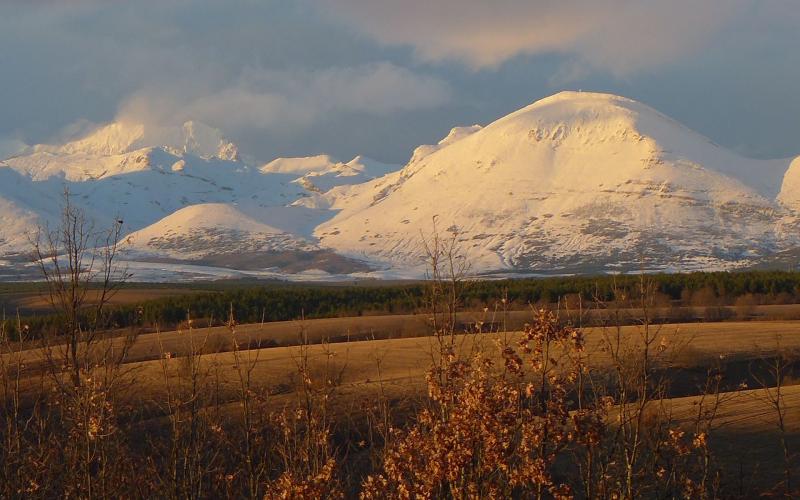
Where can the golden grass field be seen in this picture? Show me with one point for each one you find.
(399, 364)
(394, 369)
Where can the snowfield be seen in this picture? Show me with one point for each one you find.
(575, 183)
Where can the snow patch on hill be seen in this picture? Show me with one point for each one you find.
(299, 166)
(790, 187)
(211, 229)
(356, 171)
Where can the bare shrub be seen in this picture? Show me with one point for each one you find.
(73, 259)
(771, 375)
(745, 306)
(489, 430)
(304, 443)
(84, 368)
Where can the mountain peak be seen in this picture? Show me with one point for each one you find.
(122, 137)
(301, 165)
(573, 180)
(201, 140)
(578, 107)
(580, 95)
(112, 139)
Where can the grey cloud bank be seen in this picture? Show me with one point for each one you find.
(379, 77)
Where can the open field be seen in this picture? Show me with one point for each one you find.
(169, 376)
(396, 368)
(396, 326)
(747, 441)
(399, 364)
(399, 332)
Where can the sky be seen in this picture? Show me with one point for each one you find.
(379, 77)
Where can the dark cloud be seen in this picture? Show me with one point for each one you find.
(380, 76)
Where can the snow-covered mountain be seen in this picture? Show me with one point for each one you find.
(124, 137)
(204, 229)
(577, 182)
(190, 199)
(143, 185)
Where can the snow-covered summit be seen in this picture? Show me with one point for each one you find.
(597, 117)
(201, 140)
(112, 139)
(121, 137)
(122, 147)
(211, 228)
(571, 181)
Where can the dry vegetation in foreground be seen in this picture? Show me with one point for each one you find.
(551, 411)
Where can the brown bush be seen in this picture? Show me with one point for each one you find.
(490, 431)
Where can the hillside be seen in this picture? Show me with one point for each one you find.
(211, 228)
(576, 182)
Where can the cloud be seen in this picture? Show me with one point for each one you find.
(288, 100)
(10, 146)
(620, 36)
(378, 76)
(265, 72)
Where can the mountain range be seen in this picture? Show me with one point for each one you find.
(574, 183)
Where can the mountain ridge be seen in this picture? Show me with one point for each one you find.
(575, 182)
(545, 170)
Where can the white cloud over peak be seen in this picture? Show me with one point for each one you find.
(10, 147)
(288, 100)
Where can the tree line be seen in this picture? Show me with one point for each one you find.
(275, 302)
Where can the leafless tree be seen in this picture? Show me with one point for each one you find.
(770, 377)
(76, 259)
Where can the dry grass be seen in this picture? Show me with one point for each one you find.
(358, 375)
(405, 361)
(707, 339)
